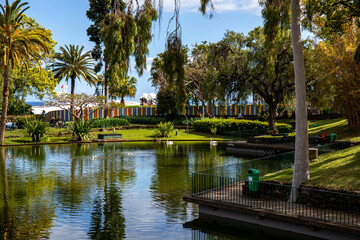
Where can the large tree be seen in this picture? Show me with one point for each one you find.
(98, 9)
(276, 17)
(126, 32)
(20, 42)
(72, 63)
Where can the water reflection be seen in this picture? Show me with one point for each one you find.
(126, 191)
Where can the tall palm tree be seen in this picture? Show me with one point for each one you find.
(72, 63)
(125, 87)
(20, 42)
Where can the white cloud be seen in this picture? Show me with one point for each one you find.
(220, 6)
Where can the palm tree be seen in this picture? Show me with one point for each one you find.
(125, 87)
(20, 42)
(71, 63)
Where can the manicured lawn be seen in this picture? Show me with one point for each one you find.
(338, 170)
(62, 135)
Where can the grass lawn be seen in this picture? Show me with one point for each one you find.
(337, 126)
(338, 170)
(61, 135)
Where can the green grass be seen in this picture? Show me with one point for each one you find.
(18, 137)
(339, 170)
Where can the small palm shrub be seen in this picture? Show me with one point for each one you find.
(36, 129)
(164, 129)
(81, 130)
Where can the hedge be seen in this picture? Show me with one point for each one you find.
(109, 122)
(231, 124)
(156, 120)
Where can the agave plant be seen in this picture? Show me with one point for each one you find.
(81, 129)
(36, 129)
(164, 129)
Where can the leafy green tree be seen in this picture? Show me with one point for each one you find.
(201, 77)
(165, 102)
(98, 9)
(334, 15)
(125, 87)
(127, 33)
(72, 63)
(19, 43)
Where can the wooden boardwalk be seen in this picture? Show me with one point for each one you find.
(234, 194)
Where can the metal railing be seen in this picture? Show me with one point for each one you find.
(314, 203)
(226, 184)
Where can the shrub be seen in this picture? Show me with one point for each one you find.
(156, 120)
(81, 129)
(21, 121)
(164, 129)
(109, 122)
(223, 125)
(36, 129)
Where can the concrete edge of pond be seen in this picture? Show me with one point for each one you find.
(108, 140)
(284, 222)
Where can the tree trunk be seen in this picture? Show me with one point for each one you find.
(72, 92)
(4, 180)
(4, 104)
(301, 161)
(271, 119)
(106, 91)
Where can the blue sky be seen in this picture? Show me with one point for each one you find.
(68, 22)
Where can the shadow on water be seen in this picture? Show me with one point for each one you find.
(211, 228)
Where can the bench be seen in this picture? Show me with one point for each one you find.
(109, 136)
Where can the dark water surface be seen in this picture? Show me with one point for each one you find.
(107, 191)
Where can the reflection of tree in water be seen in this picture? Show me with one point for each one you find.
(172, 180)
(107, 220)
(36, 155)
(27, 211)
(73, 190)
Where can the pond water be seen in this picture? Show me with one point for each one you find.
(107, 191)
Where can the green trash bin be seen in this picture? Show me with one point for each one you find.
(253, 177)
(333, 137)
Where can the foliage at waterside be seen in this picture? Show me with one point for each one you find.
(231, 124)
(36, 129)
(81, 130)
(109, 122)
(164, 129)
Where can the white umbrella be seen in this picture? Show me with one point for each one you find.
(152, 96)
(144, 95)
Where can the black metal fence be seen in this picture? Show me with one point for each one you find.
(226, 184)
(308, 202)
